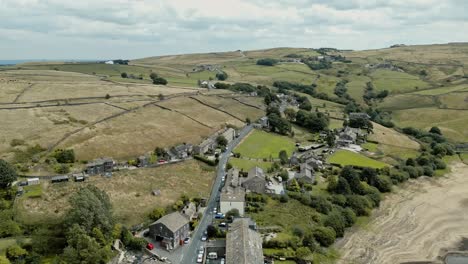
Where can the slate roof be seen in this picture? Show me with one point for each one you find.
(173, 221)
(243, 245)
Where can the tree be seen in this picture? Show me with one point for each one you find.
(330, 139)
(159, 80)
(267, 99)
(306, 105)
(279, 124)
(7, 174)
(336, 221)
(315, 122)
(160, 152)
(324, 235)
(4, 260)
(290, 114)
(15, 252)
(124, 75)
(64, 155)
(248, 121)
(267, 62)
(233, 213)
(435, 130)
(303, 252)
(90, 208)
(359, 204)
(353, 179)
(342, 186)
(221, 141)
(222, 76)
(160, 96)
(211, 231)
(157, 213)
(82, 248)
(153, 75)
(108, 96)
(283, 156)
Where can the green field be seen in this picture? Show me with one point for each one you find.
(260, 144)
(346, 157)
(396, 82)
(451, 122)
(246, 165)
(405, 101)
(442, 90)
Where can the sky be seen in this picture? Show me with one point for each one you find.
(129, 29)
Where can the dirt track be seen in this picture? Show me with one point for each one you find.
(414, 223)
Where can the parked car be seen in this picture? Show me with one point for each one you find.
(219, 216)
(150, 246)
(204, 238)
(222, 261)
(212, 255)
(200, 258)
(146, 233)
(187, 240)
(223, 224)
(215, 210)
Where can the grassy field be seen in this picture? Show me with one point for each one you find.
(405, 101)
(396, 82)
(345, 157)
(454, 100)
(443, 90)
(260, 144)
(451, 122)
(129, 191)
(391, 137)
(246, 165)
(233, 107)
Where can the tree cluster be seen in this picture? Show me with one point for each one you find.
(314, 121)
(157, 79)
(267, 62)
(222, 76)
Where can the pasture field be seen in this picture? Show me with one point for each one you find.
(443, 90)
(10, 89)
(356, 87)
(129, 192)
(396, 82)
(206, 115)
(246, 165)
(456, 100)
(45, 126)
(135, 133)
(388, 136)
(233, 107)
(407, 101)
(346, 157)
(260, 144)
(451, 122)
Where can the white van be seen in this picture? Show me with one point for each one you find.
(212, 255)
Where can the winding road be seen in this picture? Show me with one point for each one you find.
(190, 253)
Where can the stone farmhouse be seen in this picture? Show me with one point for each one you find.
(255, 181)
(99, 166)
(170, 230)
(232, 194)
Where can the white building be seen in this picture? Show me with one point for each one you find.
(33, 181)
(109, 62)
(232, 194)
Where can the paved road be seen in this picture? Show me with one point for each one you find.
(190, 253)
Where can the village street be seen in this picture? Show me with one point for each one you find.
(188, 254)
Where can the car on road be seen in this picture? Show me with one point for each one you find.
(187, 240)
(201, 250)
(204, 238)
(150, 246)
(222, 261)
(200, 258)
(223, 224)
(215, 210)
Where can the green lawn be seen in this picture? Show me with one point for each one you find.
(346, 157)
(246, 165)
(260, 144)
(372, 147)
(33, 191)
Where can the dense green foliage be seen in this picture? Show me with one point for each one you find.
(267, 62)
(314, 121)
(7, 174)
(222, 76)
(64, 155)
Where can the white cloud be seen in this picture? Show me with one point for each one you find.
(138, 28)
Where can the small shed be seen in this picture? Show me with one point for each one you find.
(56, 179)
(33, 181)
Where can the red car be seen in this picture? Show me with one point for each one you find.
(150, 246)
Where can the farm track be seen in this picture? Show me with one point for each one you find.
(22, 92)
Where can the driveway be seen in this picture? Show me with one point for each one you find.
(190, 252)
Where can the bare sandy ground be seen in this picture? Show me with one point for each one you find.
(414, 223)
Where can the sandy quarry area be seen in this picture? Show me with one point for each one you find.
(414, 223)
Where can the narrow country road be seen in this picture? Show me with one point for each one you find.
(190, 253)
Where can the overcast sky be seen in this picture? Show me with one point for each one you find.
(109, 29)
